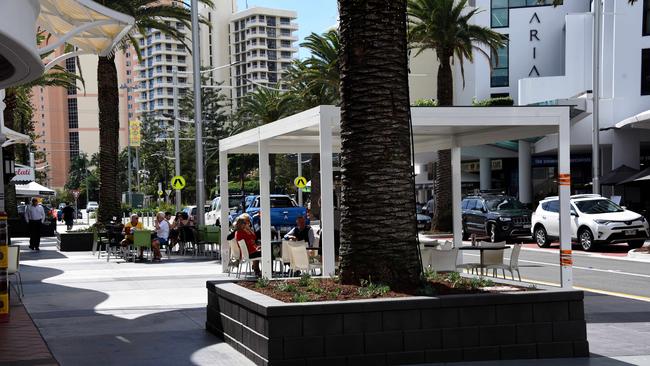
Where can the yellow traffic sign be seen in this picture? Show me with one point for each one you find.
(300, 182)
(178, 182)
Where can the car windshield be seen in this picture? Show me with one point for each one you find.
(279, 202)
(504, 203)
(234, 201)
(598, 206)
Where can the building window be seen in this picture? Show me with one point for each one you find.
(646, 18)
(645, 71)
(74, 144)
(73, 117)
(500, 10)
(500, 70)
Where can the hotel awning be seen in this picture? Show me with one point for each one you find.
(639, 120)
(89, 26)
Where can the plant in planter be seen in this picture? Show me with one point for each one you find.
(79, 240)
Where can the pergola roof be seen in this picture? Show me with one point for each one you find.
(89, 26)
(433, 128)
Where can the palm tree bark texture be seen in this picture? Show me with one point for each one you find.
(378, 228)
(109, 125)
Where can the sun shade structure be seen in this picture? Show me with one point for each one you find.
(640, 120)
(13, 137)
(89, 26)
(317, 130)
(19, 61)
(33, 189)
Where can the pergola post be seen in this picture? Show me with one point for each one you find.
(225, 209)
(327, 200)
(265, 207)
(564, 192)
(457, 214)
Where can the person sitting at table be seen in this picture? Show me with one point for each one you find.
(174, 229)
(162, 235)
(301, 232)
(186, 228)
(131, 226)
(243, 231)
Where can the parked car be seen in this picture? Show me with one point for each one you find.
(424, 221)
(92, 206)
(213, 215)
(284, 211)
(495, 216)
(191, 211)
(595, 220)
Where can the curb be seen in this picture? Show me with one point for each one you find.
(641, 257)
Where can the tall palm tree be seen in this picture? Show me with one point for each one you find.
(148, 14)
(378, 227)
(444, 26)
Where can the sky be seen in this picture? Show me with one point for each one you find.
(313, 15)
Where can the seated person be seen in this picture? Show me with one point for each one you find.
(301, 232)
(128, 230)
(162, 235)
(243, 231)
(186, 228)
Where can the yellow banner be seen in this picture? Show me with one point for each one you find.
(4, 262)
(135, 133)
(4, 303)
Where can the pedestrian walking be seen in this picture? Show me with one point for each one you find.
(68, 215)
(35, 216)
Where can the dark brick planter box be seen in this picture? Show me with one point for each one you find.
(74, 242)
(540, 324)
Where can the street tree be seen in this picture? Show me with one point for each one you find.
(378, 225)
(445, 27)
(148, 14)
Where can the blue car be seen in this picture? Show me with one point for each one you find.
(284, 211)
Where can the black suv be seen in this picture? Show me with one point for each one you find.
(495, 216)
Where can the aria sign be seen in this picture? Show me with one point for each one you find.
(534, 37)
(23, 174)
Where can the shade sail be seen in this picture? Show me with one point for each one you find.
(618, 175)
(19, 61)
(33, 189)
(89, 26)
(640, 176)
(13, 137)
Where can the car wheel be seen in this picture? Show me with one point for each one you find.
(494, 233)
(635, 243)
(586, 240)
(541, 238)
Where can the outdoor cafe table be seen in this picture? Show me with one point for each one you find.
(482, 250)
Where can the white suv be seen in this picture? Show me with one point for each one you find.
(594, 220)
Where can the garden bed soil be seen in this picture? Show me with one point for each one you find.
(328, 289)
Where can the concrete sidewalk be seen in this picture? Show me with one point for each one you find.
(93, 312)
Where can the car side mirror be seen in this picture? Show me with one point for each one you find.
(573, 213)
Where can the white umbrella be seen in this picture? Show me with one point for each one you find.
(33, 189)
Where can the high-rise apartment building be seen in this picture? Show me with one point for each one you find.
(162, 55)
(262, 46)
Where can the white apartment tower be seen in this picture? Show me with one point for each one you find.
(162, 55)
(262, 46)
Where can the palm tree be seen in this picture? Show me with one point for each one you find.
(444, 27)
(148, 14)
(378, 227)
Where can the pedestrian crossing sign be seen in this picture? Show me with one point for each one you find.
(178, 182)
(300, 182)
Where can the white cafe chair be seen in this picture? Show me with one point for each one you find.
(300, 260)
(511, 267)
(13, 268)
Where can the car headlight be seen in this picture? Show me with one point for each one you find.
(505, 219)
(602, 222)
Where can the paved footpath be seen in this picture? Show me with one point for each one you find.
(91, 312)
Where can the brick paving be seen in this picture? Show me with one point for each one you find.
(21, 343)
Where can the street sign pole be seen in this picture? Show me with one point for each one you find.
(300, 175)
(177, 159)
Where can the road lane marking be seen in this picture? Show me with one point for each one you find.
(579, 267)
(594, 290)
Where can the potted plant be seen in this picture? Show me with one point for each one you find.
(80, 240)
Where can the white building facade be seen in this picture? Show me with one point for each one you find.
(262, 46)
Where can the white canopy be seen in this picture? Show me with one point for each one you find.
(91, 27)
(33, 189)
(317, 130)
(13, 137)
(639, 120)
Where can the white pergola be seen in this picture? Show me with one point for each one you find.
(317, 130)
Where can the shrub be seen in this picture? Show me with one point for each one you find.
(262, 282)
(286, 287)
(491, 102)
(369, 289)
(300, 297)
(305, 280)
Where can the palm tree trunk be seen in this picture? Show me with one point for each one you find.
(11, 203)
(378, 227)
(442, 186)
(445, 80)
(109, 124)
